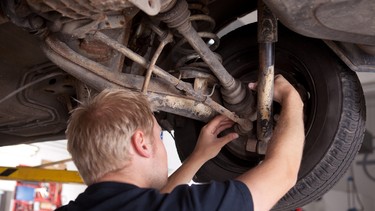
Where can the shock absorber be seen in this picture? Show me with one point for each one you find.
(267, 36)
(236, 96)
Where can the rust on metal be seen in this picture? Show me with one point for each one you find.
(233, 91)
(267, 24)
(96, 50)
(178, 18)
(182, 106)
(244, 123)
(73, 62)
(267, 36)
(168, 38)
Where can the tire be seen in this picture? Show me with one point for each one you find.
(334, 112)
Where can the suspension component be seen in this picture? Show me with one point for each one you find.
(267, 36)
(178, 18)
(242, 122)
(101, 77)
(189, 56)
(234, 93)
(190, 65)
(164, 41)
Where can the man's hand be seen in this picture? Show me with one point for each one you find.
(209, 144)
(282, 89)
(272, 178)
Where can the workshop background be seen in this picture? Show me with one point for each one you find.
(355, 191)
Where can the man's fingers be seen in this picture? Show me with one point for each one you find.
(222, 127)
(228, 138)
(224, 124)
(216, 121)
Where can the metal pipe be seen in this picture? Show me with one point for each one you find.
(97, 75)
(91, 79)
(144, 63)
(267, 36)
(63, 50)
(164, 41)
(181, 106)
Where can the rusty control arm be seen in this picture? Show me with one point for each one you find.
(267, 36)
(244, 123)
(76, 64)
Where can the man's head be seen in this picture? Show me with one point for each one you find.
(103, 132)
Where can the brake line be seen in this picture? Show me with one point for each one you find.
(10, 95)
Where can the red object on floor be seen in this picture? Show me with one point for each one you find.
(42, 196)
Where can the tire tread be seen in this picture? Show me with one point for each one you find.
(340, 155)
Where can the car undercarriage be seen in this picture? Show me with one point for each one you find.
(53, 54)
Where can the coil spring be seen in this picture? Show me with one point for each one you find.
(200, 20)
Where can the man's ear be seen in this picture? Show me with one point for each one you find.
(141, 145)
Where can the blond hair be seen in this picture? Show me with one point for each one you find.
(99, 131)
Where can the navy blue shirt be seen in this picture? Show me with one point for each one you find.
(230, 195)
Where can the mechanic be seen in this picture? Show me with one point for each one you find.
(116, 145)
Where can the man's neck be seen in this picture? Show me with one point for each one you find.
(126, 175)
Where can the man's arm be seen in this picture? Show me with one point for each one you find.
(271, 179)
(208, 146)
